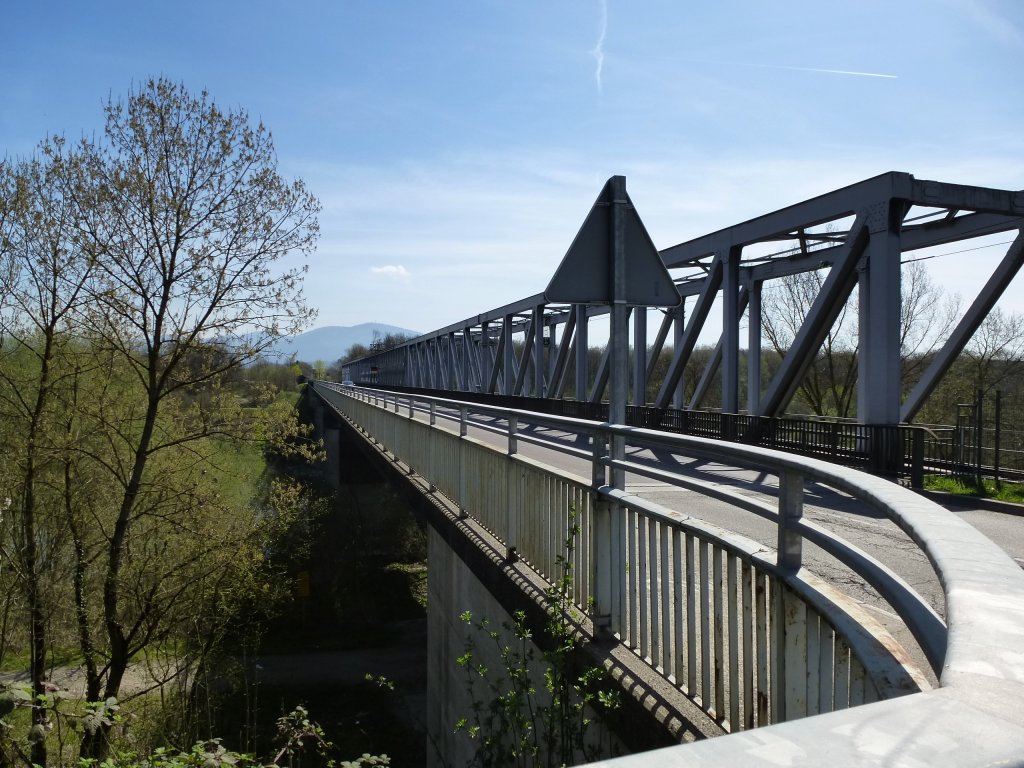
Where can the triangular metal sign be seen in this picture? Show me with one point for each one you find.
(585, 274)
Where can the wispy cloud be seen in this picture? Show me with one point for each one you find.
(598, 51)
(475, 230)
(394, 271)
(827, 71)
(981, 13)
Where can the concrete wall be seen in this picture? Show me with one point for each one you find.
(451, 590)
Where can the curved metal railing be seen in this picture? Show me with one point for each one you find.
(743, 631)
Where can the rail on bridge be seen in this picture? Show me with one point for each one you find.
(786, 665)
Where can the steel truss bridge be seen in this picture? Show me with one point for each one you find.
(861, 234)
(744, 632)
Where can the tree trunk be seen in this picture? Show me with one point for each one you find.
(96, 745)
(33, 586)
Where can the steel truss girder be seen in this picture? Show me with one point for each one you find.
(681, 354)
(479, 354)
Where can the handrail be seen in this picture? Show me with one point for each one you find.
(982, 668)
(922, 621)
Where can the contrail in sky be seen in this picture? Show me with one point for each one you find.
(828, 71)
(598, 51)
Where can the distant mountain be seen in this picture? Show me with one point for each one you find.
(330, 342)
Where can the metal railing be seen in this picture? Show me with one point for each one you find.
(746, 633)
(893, 450)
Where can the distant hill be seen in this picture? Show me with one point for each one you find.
(330, 342)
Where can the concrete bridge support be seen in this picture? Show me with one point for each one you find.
(453, 589)
(317, 416)
(332, 449)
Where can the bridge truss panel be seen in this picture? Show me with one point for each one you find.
(860, 233)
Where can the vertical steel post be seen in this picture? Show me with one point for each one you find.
(538, 351)
(619, 384)
(486, 359)
(878, 385)
(791, 509)
(731, 331)
(917, 459)
(754, 348)
(619, 336)
(513, 443)
(463, 431)
(979, 435)
(467, 359)
(998, 435)
(513, 498)
(679, 327)
(582, 387)
(508, 375)
(640, 356)
(602, 572)
(551, 389)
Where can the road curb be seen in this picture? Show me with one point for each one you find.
(973, 502)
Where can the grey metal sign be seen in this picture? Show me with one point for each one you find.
(585, 275)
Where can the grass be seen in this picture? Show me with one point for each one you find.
(18, 660)
(63, 738)
(988, 489)
(237, 468)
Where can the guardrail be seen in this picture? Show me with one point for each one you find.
(883, 449)
(745, 633)
(906, 451)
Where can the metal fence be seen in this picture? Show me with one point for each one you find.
(749, 639)
(986, 440)
(992, 447)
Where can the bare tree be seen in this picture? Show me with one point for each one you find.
(829, 386)
(995, 354)
(927, 315)
(136, 272)
(188, 220)
(384, 342)
(43, 281)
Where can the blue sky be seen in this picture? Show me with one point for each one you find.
(457, 146)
